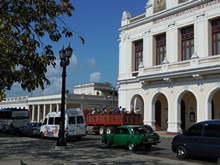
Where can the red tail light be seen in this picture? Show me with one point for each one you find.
(143, 139)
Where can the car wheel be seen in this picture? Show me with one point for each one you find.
(109, 130)
(42, 135)
(218, 161)
(131, 146)
(102, 130)
(181, 152)
(148, 147)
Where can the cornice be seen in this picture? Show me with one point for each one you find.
(181, 74)
(163, 14)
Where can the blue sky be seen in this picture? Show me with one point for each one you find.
(98, 22)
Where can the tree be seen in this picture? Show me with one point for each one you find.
(23, 24)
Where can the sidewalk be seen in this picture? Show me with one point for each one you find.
(165, 134)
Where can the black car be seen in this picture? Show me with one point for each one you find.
(218, 161)
(31, 129)
(201, 139)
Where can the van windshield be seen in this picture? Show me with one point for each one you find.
(72, 120)
(80, 120)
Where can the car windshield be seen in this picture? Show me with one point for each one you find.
(148, 128)
(138, 130)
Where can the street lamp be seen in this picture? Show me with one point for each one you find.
(65, 55)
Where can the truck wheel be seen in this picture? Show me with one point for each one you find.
(101, 130)
(109, 130)
(131, 146)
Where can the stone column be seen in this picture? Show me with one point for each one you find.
(33, 112)
(51, 107)
(44, 111)
(58, 108)
(38, 113)
(147, 49)
(174, 120)
(201, 35)
(172, 42)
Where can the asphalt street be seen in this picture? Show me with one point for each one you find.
(88, 151)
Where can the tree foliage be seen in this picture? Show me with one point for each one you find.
(23, 24)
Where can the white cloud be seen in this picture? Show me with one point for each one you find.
(54, 87)
(95, 77)
(54, 72)
(92, 62)
(73, 61)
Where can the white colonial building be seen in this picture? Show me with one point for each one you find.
(85, 96)
(169, 63)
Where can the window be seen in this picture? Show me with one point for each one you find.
(195, 130)
(138, 130)
(160, 48)
(187, 43)
(50, 120)
(117, 131)
(57, 120)
(124, 131)
(216, 37)
(138, 53)
(45, 121)
(212, 130)
(72, 120)
(80, 120)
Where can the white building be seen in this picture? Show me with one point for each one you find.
(86, 96)
(169, 63)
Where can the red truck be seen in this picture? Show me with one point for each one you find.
(106, 123)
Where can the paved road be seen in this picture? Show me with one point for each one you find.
(88, 151)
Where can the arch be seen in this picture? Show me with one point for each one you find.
(159, 111)
(183, 115)
(212, 112)
(158, 114)
(137, 104)
(186, 113)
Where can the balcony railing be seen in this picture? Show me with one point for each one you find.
(200, 64)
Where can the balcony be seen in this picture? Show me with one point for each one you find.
(190, 68)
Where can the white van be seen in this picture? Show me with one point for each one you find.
(74, 124)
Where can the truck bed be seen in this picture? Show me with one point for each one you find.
(114, 119)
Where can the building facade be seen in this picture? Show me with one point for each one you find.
(169, 63)
(85, 96)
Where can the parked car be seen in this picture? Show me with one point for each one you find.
(132, 137)
(201, 139)
(31, 129)
(218, 161)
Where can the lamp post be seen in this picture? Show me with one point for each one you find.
(65, 55)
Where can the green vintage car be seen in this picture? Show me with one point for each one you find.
(132, 137)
